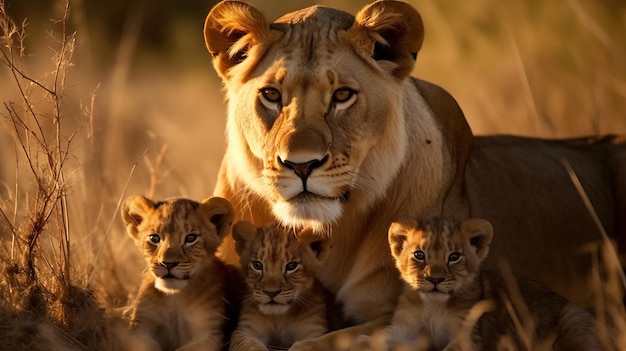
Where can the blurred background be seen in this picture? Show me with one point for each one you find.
(146, 112)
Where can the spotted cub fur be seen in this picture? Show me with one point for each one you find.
(181, 302)
(286, 303)
(449, 304)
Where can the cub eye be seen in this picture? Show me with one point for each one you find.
(419, 255)
(191, 239)
(291, 266)
(154, 239)
(454, 257)
(271, 94)
(342, 95)
(257, 265)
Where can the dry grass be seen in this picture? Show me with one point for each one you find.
(41, 289)
(79, 134)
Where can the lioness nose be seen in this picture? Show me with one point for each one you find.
(303, 169)
(435, 280)
(169, 265)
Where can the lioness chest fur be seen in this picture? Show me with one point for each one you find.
(182, 301)
(450, 303)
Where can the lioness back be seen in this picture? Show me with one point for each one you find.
(181, 301)
(439, 260)
(528, 180)
(285, 303)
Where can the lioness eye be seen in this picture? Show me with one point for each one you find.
(454, 257)
(257, 265)
(342, 95)
(271, 94)
(419, 255)
(154, 239)
(291, 266)
(191, 238)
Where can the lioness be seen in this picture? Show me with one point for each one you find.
(325, 128)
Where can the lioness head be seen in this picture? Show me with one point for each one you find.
(177, 237)
(314, 110)
(438, 257)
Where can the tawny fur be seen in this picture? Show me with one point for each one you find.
(439, 260)
(285, 302)
(182, 306)
(322, 88)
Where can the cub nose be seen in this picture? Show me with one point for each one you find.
(435, 280)
(303, 169)
(168, 265)
(271, 294)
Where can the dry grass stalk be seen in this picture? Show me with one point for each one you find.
(41, 292)
(609, 281)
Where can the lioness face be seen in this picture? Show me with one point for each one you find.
(314, 113)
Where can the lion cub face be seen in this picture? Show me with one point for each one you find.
(438, 257)
(279, 265)
(177, 237)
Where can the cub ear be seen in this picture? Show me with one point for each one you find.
(391, 31)
(230, 30)
(319, 245)
(479, 232)
(220, 212)
(134, 211)
(243, 232)
(397, 236)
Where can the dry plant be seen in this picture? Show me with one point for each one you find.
(609, 282)
(44, 302)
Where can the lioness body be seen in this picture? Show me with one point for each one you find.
(182, 301)
(286, 303)
(326, 129)
(439, 260)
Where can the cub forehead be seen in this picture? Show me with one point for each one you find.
(437, 233)
(174, 215)
(275, 243)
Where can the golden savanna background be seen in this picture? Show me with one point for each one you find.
(102, 99)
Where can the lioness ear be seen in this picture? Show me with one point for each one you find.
(479, 232)
(230, 30)
(220, 212)
(134, 211)
(397, 236)
(243, 232)
(391, 31)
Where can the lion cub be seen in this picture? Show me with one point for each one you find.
(286, 303)
(445, 294)
(181, 302)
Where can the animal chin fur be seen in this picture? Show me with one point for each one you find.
(170, 286)
(273, 309)
(317, 215)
